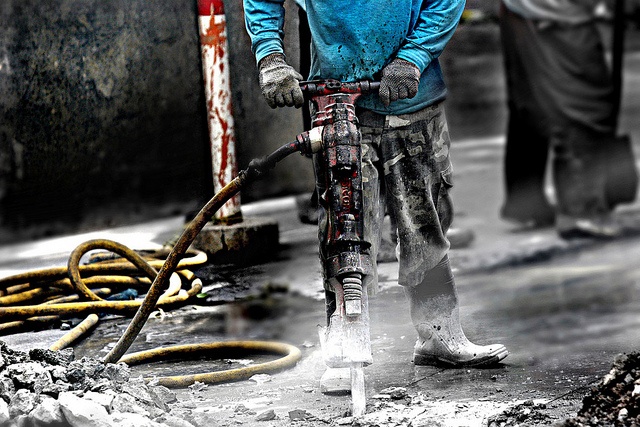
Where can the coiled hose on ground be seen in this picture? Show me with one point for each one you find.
(165, 291)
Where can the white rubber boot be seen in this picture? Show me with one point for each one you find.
(435, 315)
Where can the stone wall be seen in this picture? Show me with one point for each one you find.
(102, 114)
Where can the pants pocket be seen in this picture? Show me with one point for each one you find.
(444, 204)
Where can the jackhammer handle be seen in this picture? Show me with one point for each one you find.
(330, 86)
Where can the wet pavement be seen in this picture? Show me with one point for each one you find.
(563, 309)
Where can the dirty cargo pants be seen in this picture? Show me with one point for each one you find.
(405, 164)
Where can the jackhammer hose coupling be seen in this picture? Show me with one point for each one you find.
(310, 142)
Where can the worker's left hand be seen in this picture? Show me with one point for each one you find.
(400, 80)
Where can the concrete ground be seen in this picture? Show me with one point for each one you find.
(563, 309)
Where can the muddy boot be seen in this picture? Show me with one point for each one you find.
(435, 315)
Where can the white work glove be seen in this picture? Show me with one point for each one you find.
(400, 80)
(280, 82)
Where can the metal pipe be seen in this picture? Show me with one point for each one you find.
(217, 88)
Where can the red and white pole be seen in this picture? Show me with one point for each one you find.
(215, 64)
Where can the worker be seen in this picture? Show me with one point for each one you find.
(561, 97)
(405, 140)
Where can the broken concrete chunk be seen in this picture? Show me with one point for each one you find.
(139, 390)
(395, 392)
(48, 412)
(7, 389)
(121, 419)
(241, 409)
(82, 412)
(92, 367)
(118, 373)
(12, 356)
(163, 394)
(102, 385)
(56, 358)
(56, 388)
(267, 415)
(623, 414)
(57, 372)
(299, 414)
(173, 421)
(4, 412)
(30, 375)
(22, 402)
(101, 398)
(127, 403)
(75, 374)
(184, 414)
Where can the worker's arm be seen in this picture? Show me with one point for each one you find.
(434, 28)
(264, 20)
(279, 82)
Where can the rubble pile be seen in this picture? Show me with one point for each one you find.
(525, 413)
(47, 388)
(615, 400)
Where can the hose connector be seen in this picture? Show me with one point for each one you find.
(310, 142)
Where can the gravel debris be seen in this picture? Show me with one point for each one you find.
(45, 388)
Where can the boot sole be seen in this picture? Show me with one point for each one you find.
(430, 360)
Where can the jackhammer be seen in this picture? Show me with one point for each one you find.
(345, 253)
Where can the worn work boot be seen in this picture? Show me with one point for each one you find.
(580, 178)
(602, 227)
(435, 315)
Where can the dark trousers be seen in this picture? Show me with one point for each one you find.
(560, 96)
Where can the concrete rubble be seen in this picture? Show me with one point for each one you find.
(615, 399)
(46, 388)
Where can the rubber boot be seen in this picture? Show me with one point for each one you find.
(435, 315)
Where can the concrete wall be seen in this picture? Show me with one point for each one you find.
(102, 115)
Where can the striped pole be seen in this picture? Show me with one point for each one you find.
(215, 64)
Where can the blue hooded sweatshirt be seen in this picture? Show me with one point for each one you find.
(353, 40)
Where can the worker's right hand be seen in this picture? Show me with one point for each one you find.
(400, 80)
(279, 82)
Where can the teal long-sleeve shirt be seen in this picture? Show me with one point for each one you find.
(354, 40)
